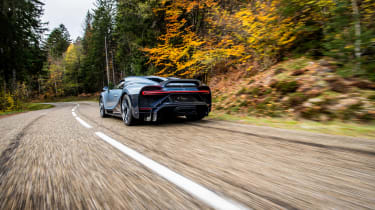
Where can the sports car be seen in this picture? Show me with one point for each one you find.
(151, 98)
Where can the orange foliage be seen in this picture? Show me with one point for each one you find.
(256, 31)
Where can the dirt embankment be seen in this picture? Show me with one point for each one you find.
(299, 88)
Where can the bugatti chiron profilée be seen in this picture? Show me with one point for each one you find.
(151, 98)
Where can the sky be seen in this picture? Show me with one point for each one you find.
(71, 13)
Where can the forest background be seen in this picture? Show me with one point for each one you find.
(182, 38)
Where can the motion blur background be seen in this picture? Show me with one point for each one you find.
(280, 59)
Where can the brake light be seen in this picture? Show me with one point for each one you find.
(161, 92)
(153, 92)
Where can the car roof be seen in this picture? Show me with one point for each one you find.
(153, 79)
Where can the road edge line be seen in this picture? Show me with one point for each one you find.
(194, 189)
(85, 124)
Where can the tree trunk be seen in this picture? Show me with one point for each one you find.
(77, 74)
(113, 68)
(106, 58)
(5, 86)
(14, 79)
(39, 85)
(357, 31)
(55, 89)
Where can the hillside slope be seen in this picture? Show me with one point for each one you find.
(298, 88)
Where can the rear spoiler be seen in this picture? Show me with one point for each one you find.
(180, 83)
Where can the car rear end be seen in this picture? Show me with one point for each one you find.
(175, 97)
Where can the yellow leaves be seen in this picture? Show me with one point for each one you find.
(70, 48)
(263, 31)
(350, 46)
(178, 45)
(71, 55)
(250, 68)
(285, 42)
(367, 8)
(256, 31)
(245, 58)
(10, 102)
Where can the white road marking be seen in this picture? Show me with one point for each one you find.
(194, 189)
(75, 107)
(83, 122)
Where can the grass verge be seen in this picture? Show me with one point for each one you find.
(332, 127)
(29, 107)
(69, 99)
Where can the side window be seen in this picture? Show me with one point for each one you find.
(121, 85)
(127, 82)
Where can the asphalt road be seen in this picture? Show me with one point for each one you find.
(64, 159)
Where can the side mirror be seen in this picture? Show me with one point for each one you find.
(105, 88)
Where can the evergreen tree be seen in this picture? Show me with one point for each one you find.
(136, 28)
(21, 33)
(87, 32)
(99, 28)
(58, 41)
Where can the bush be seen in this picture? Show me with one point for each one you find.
(372, 97)
(350, 112)
(242, 103)
(243, 90)
(254, 91)
(10, 102)
(296, 99)
(234, 109)
(286, 86)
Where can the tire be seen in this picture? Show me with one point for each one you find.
(126, 111)
(195, 117)
(102, 112)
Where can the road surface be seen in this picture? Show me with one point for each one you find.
(68, 157)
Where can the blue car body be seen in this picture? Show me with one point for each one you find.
(152, 97)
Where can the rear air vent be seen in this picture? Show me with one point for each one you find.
(179, 84)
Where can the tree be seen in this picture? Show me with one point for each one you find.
(58, 41)
(136, 28)
(87, 32)
(181, 51)
(99, 26)
(20, 41)
(72, 64)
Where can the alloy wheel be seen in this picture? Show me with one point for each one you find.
(125, 111)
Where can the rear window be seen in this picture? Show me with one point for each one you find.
(156, 80)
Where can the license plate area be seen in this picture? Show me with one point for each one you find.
(184, 98)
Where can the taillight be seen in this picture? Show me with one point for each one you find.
(152, 92)
(205, 91)
(151, 88)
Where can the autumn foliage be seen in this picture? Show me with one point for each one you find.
(200, 34)
(188, 48)
(182, 38)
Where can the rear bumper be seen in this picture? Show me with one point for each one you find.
(176, 109)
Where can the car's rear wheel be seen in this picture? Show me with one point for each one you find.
(126, 111)
(102, 109)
